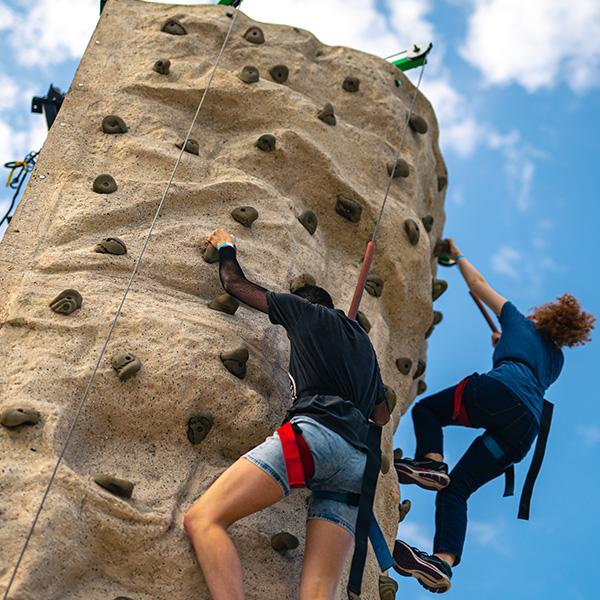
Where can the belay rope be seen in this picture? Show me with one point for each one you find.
(120, 307)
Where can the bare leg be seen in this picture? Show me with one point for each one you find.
(327, 548)
(241, 490)
(449, 558)
(435, 456)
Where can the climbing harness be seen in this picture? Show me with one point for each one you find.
(416, 56)
(19, 169)
(119, 308)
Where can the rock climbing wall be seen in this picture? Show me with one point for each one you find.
(291, 152)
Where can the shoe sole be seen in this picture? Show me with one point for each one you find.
(427, 575)
(428, 480)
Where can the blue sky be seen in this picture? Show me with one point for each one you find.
(515, 86)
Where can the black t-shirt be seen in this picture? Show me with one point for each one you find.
(334, 374)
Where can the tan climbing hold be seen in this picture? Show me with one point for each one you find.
(255, 35)
(442, 182)
(279, 73)
(310, 221)
(246, 215)
(224, 303)
(284, 541)
(374, 285)
(14, 416)
(390, 396)
(191, 146)
(198, 428)
(114, 124)
(413, 233)
(421, 387)
(235, 361)
(327, 115)
(249, 74)
(126, 365)
(363, 321)
(438, 287)
(427, 221)
(387, 588)
(162, 66)
(66, 302)
(104, 184)
(418, 124)
(301, 281)
(403, 510)
(266, 142)
(348, 208)
(111, 245)
(351, 84)
(399, 168)
(404, 365)
(118, 487)
(174, 27)
(421, 366)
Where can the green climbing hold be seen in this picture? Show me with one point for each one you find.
(14, 416)
(351, 84)
(404, 365)
(390, 396)
(442, 182)
(411, 228)
(224, 303)
(418, 124)
(284, 541)
(255, 35)
(310, 221)
(280, 73)
(421, 387)
(246, 215)
(374, 285)
(387, 588)
(437, 317)
(198, 428)
(162, 66)
(235, 361)
(363, 321)
(427, 221)
(399, 168)
(191, 146)
(348, 208)
(126, 365)
(114, 124)
(118, 487)
(66, 302)
(111, 245)
(174, 27)
(438, 287)
(104, 184)
(301, 281)
(266, 142)
(403, 510)
(398, 454)
(249, 74)
(327, 115)
(421, 366)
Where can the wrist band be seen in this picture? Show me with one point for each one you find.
(222, 244)
(460, 256)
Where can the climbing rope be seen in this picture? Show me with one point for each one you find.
(120, 307)
(19, 169)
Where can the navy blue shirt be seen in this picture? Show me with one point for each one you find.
(333, 370)
(525, 359)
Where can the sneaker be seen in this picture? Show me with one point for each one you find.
(432, 573)
(428, 474)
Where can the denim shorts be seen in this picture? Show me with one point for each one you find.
(339, 467)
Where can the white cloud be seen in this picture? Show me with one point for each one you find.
(489, 535)
(415, 534)
(589, 434)
(507, 261)
(535, 43)
(10, 92)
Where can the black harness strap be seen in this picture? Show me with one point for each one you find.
(509, 482)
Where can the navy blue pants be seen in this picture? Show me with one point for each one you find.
(489, 405)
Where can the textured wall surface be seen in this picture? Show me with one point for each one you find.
(90, 544)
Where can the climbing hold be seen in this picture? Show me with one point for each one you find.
(437, 317)
(66, 302)
(126, 365)
(19, 415)
(114, 124)
(266, 142)
(229, 14)
(348, 208)
(398, 83)
(123, 598)
(301, 281)
(246, 215)
(421, 387)
(421, 366)
(404, 365)
(427, 221)
(174, 27)
(438, 287)
(363, 321)
(401, 168)
(385, 464)
(104, 184)
(118, 487)
(191, 146)
(224, 303)
(210, 254)
(235, 361)
(418, 124)
(249, 74)
(111, 246)
(255, 35)
(327, 115)
(441, 247)
(429, 332)
(398, 454)
(310, 221)
(390, 396)
(198, 427)
(442, 182)
(282, 542)
(387, 588)
(374, 285)
(351, 84)
(280, 73)
(162, 66)
(403, 510)
(412, 231)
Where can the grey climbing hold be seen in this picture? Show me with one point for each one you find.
(412, 231)
(421, 366)
(224, 303)
(249, 74)
(284, 541)
(126, 365)
(398, 83)
(198, 427)
(235, 361)
(402, 168)
(118, 487)
(427, 221)
(348, 208)
(327, 115)
(111, 245)
(301, 281)
(385, 463)
(191, 146)
(421, 387)
(266, 142)
(255, 35)
(14, 416)
(174, 27)
(418, 124)
(210, 254)
(162, 66)
(437, 317)
(310, 221)
(104, 184)
(353, 596)
(404, 365)
(442, 182)
(374, 285)
(246, 215)
(114, 124)
(398, 454)
(387, 588)
(441, 247)
(438, 287)
(66, 302)
(351, 84)
(229, 14)
(363, 321)
(280, 73)
(403, 510)
(123, 598)
(390, 396)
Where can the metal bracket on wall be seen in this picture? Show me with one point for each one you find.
(49, 104)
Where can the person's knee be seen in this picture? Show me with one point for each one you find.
(199, 518)
(318, 589)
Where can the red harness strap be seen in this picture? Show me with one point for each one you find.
(296, 453)
(460, 414)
